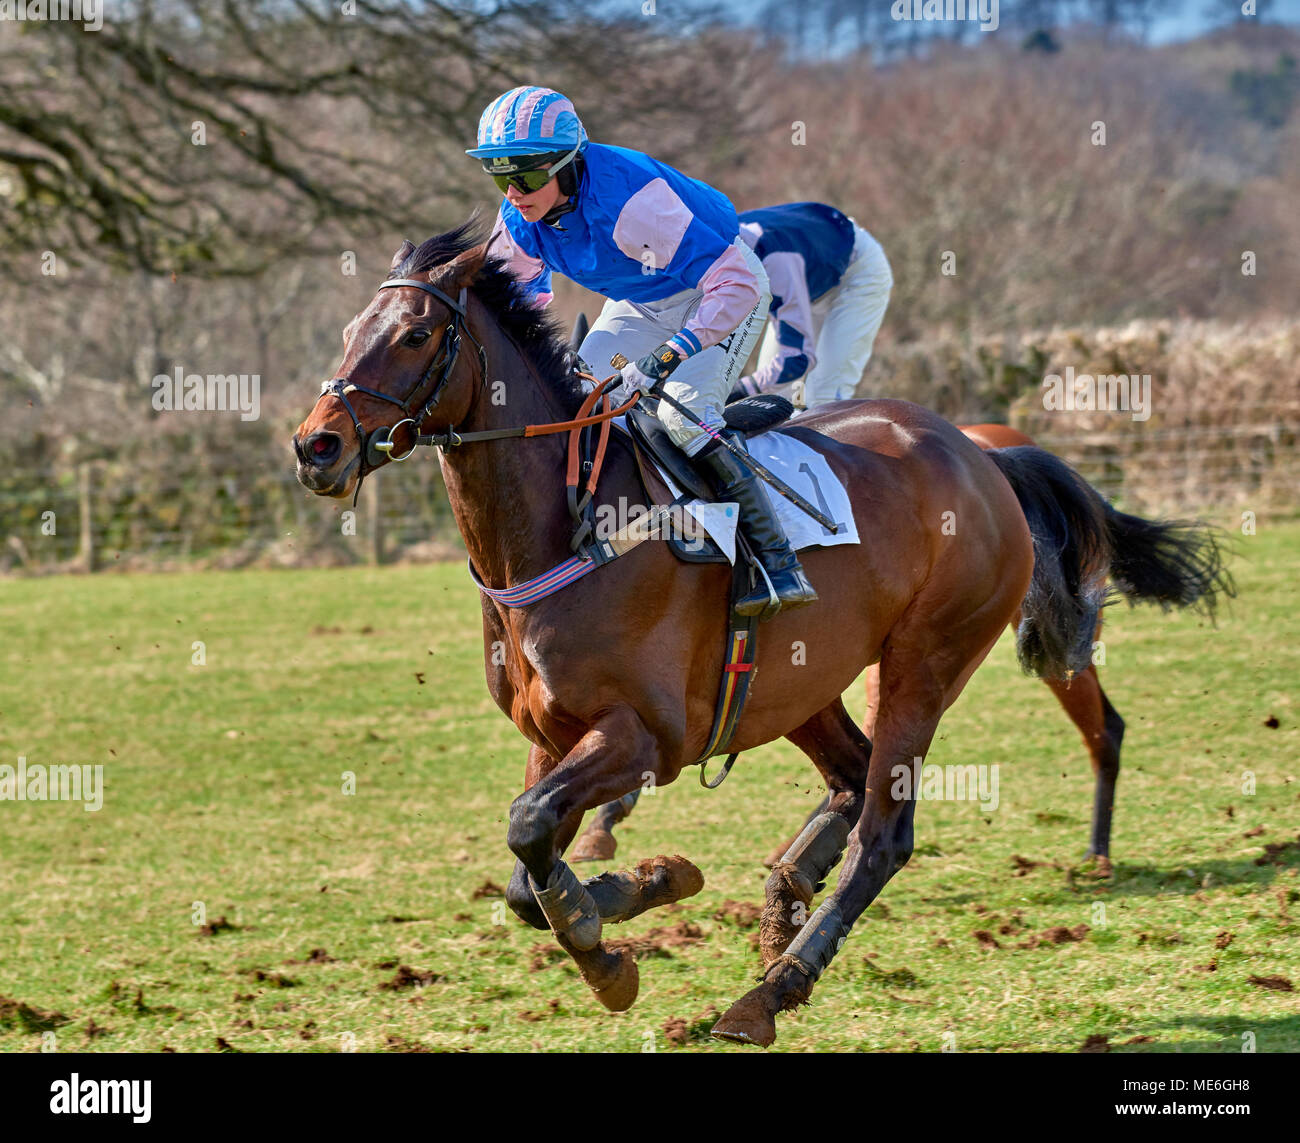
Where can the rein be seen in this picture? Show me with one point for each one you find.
(376, 447)
(589, 554)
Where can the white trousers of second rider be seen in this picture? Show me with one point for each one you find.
(701, 382)
(846, 320)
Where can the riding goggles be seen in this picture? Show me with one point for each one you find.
(526, 182)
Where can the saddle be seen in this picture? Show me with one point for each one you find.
(652, 445)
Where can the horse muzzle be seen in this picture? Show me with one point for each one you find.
(323, 464)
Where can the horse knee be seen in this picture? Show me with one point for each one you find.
(531, 835)
(519, 896)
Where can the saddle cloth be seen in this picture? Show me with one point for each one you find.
(805, 470)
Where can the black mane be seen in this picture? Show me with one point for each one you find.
(536, 333)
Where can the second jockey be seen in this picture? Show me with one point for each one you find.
(830, 283)
(687, 296)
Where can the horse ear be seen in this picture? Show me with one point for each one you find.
(465, 267)
(404, 252)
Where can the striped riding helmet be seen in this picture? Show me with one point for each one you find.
(527, 126)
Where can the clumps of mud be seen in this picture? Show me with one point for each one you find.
(408, 977)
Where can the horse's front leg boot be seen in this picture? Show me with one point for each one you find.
(655, 882)
(568, 907)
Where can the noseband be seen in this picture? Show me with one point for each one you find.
(379, 443)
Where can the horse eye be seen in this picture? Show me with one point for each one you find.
(416, 338)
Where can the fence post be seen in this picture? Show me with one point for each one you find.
(86, 541)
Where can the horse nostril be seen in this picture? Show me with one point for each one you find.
(320, 449)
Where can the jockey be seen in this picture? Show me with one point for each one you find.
(830, 285)
(686, 296)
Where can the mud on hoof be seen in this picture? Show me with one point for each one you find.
(752, 1019)
(654, 882)
(612, 976)
(749, 1021)
(595, 844)
(1098, 866)
(788, 904)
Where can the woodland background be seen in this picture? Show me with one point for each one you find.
(331, 136)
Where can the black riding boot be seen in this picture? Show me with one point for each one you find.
(761, 529)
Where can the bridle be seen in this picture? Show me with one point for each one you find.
(379, 443)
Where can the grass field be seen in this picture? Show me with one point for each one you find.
(184, 914)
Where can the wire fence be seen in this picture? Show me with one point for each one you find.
(95, 517)
(192, 512)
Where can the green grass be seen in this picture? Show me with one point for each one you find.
(224, 786)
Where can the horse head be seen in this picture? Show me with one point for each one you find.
(405, 372)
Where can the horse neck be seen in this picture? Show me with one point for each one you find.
(508, 496)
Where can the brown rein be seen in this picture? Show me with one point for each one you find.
(585, 419)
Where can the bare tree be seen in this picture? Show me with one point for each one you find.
(221, 137)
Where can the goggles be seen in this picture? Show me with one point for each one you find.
(526, 182)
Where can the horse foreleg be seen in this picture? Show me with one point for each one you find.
(608, 760)
(841, 754)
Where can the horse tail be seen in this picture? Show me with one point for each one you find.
(1080, 539)
(1175, 563)
(1072, 552)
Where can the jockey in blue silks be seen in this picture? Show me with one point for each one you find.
(830, 283)
(687, 297)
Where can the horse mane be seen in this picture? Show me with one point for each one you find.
(535, 333)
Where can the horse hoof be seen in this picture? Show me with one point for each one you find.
(594, 845)
(655, 882)
(684, 877)
(618, 990)
(748, 1021)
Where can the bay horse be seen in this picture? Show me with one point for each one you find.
(1081, 696)
(612, 680)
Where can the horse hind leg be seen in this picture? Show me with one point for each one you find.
(917, 686)
(1102, 729)
(880, 844)
(597, 842)
(869, 732)
(781, 850)
(842, 754)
